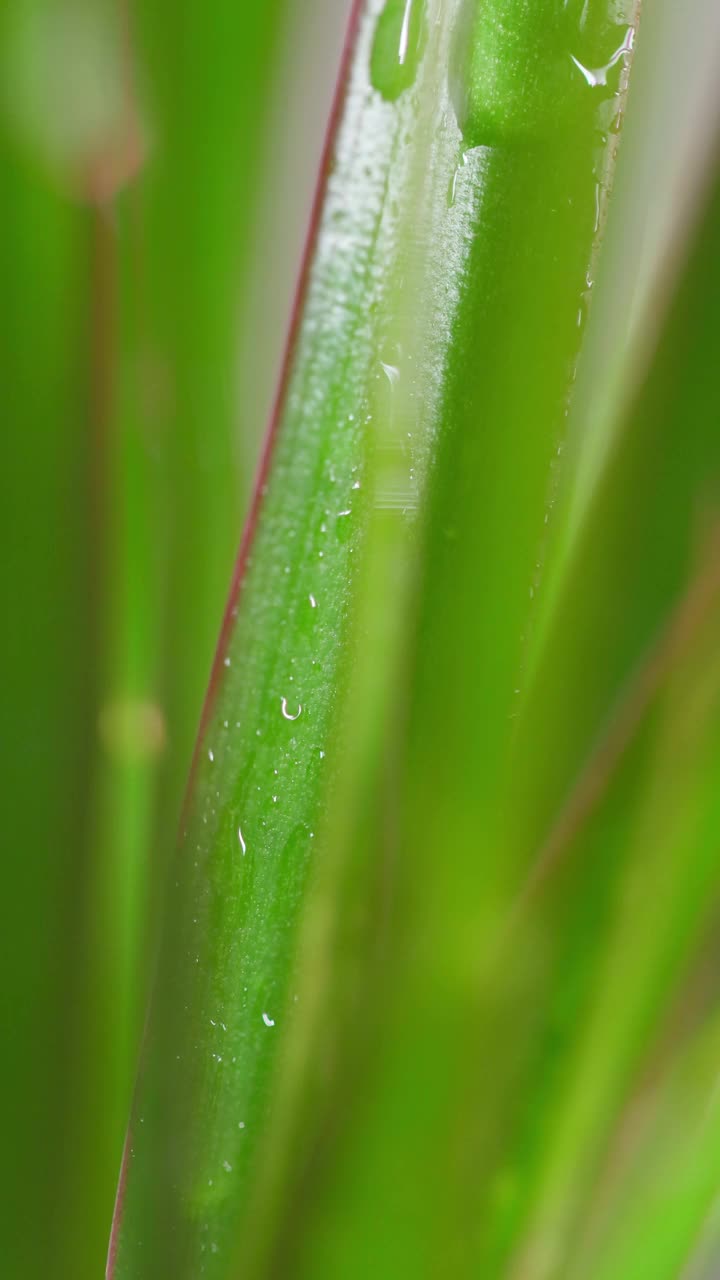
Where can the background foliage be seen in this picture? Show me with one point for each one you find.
(145, 149)
(506, 1062)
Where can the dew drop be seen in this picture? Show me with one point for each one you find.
(452, 187)
(241, 838)
(287, 714)
(269, 1022)
(397, 47)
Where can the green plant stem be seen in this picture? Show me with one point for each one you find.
(47, 658)
(403, 363)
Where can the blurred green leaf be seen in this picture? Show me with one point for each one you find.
(123, 263)
(46, 649)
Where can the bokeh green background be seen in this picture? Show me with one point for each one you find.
(156, 168)
(157, 163)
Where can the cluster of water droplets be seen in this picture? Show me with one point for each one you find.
(304, 618)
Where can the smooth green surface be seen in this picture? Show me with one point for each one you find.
(517, 66)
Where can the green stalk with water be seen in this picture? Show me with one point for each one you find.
(311, 1025)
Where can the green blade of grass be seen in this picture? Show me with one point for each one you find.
(49, 682)
(531, 977)
(659, 1218)
(401, 1167)
(176, 254)
(668, 159)
(452, 248)
(635, 634)
(132, 146)
(527, 975)
(206, 81)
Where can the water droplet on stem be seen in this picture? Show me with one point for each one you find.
(397, 47)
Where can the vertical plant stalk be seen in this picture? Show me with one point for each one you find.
(450, 247)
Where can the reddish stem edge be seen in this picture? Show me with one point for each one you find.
(257, 497)
(268, 447)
